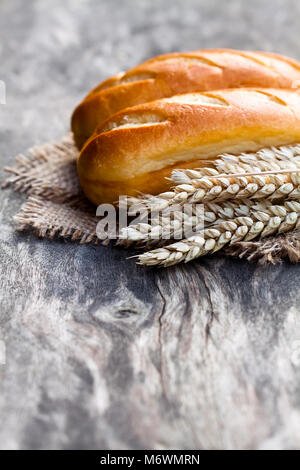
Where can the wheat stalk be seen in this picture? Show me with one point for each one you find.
(144, 234)
(269, 159)
(265, 176)
(277, 219)
(270, 173)
(265, 185)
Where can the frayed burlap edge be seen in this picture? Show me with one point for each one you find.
(56, 206)
(72, 220)
(48, 171)
(268, 250)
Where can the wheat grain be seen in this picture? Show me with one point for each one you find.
(260, 223)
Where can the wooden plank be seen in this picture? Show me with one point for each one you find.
(103, 353)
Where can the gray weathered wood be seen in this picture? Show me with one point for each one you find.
(101, 353)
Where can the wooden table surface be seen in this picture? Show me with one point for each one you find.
(95, 351)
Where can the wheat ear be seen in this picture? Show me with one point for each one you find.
(147, 235)
(269, 173)
(282, 219)
(265, 185)
(269, 159)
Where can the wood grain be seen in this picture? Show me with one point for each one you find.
(101, 353)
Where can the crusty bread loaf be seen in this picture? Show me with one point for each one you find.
(137, 148)
(172, 74)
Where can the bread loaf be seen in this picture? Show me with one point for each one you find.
(175, 73)
(136, 149)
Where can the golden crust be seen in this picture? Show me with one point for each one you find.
(137, 148)
(171, 74)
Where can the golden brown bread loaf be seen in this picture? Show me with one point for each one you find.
(175, 73)
(137, 148)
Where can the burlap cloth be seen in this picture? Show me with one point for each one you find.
(56, 207)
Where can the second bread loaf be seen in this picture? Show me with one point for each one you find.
(170, 74)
